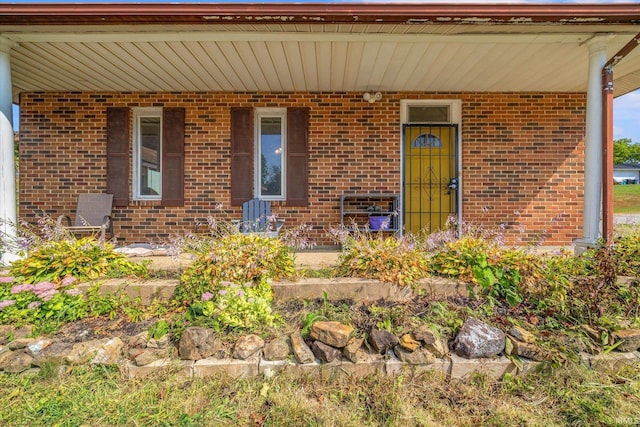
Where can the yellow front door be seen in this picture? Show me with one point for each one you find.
(430, 176)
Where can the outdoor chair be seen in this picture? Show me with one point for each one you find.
(93, 215)
(257, 219)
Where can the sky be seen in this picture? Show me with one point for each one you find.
(626, 108)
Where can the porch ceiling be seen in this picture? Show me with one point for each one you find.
(312, 57)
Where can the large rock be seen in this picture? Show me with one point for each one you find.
(325, 352)
(382, 341)
(277, 349)
(84, 352)
(20, 343)
(109, 352)
(630, 339)
(150, 355)
(159, 343)
(417, 357)
(353, 351)
(37, 346)
(522, 335)
(431, 341)
(335, 334)
(198, 343)
(18, 361)
(247, 346)
(301, 350)
(55, 353)
(529, 350)
(408, 343)
(476, 339)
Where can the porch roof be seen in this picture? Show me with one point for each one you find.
(313, 47)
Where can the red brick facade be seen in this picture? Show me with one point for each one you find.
(522, 158)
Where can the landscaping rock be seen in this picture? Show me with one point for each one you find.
(325, 352)
(84, 352)
(476, 339)
(593, 333)
(150, 355)
(408, 343)
(353, 351)
(16, 362)
(630, 339)
(20, 343)
(431, 341)
(4, 356)
(335, 334)
(22, 332)
(247, 346)
(529, 350)
(417, 357)
(139, 340)
(109, 352)
(522, 335)
(6, 331)
(163, 342)
(301, 350)
(277, 349)
(198, 343)
(382, 341)
(55, 353)
(37, 346)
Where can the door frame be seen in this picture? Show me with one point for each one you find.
(455, 110)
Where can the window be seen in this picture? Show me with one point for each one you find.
(270, 153)
(429, 114)
(147, 150)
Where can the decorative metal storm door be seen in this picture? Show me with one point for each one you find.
(430, 181)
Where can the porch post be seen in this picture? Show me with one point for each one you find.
(8, 213)
(593, 145)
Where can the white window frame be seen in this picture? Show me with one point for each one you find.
(259, 114)
(139, 113)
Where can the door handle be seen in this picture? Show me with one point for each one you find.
(453, 184)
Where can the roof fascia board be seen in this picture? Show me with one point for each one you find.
(120, 37)
(51, 13)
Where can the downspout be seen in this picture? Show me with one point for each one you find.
(607, 138)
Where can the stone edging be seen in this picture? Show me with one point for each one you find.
(336, 289)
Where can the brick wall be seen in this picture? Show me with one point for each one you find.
(522, 158)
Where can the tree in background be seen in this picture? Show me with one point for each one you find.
(625, 151)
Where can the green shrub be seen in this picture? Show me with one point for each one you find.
(235, 258)
(237, 307)
(499, 272)
(82, 259)
(44, 302)
(387, 259)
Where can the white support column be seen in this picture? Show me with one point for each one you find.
(8, 213)
(593, 144)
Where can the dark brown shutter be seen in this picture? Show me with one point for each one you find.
(173, 156)
(241, 155)
(297, 156)
(118, 155)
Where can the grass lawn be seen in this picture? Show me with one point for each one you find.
(626, 198)
(571, 395)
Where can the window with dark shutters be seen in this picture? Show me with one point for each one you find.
(118, 155)
(118, 161)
